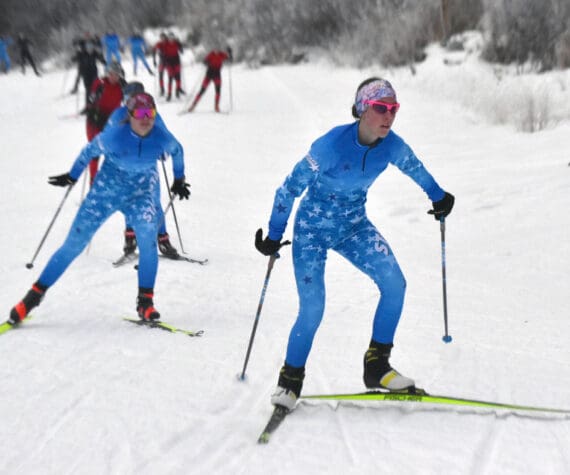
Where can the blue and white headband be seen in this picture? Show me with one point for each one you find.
(373, 91)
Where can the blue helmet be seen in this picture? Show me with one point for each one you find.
(132, 88)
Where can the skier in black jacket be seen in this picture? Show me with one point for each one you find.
(86, 58)
(25, 55)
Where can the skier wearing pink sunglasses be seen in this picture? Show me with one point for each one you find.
(335, 176)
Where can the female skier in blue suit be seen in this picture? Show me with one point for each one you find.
(118, 116)
(126, 182)
(138, 51)
(112, 44)
(337, 173)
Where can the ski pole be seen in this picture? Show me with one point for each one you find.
(157, 73)
(64, 82)
(79, 92)
(446, 337)
(230, 87)
(192, 92)
(30, 264)
(272, 260)
(83, 187)
(172, 205)
(168, 206)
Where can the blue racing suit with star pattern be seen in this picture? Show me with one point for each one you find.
(118, 117)
(127, 182)
(336, 174)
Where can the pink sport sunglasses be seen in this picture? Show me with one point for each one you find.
(383, 107)
(142, 113)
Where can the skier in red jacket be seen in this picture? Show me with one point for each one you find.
(214, 61)
(171, 55)
(105, 96)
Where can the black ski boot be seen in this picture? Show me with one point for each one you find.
(378, 374)
(288, 387)
(166, 248)
(30, 301)
(145, 306)
(130, 242)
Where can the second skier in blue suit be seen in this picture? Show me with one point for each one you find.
(127, 183)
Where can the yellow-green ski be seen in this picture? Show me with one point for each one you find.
(163, 326)
(431, 399)
(7, 326)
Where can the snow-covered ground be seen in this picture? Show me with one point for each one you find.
(84, 392)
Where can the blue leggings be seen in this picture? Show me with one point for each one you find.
(160, 218)
(139, 55)
(113, 190)
(355, 238)
(112, 54)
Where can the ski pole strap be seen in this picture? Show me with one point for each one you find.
(284, 243)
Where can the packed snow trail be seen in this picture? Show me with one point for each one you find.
(82, 391)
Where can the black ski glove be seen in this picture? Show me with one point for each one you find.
(442, 207)
(61, 180)
(181, 188)
(267, 246)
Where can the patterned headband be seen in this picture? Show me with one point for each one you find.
(373, 91)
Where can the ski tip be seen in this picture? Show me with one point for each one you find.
(195, 261)
(8, 325)
(4, 327)
(263, 439)
(191, 334)
(447, 339)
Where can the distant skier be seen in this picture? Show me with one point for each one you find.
(105, 96)
(112, 45)
(336, 174)
(78, 45)
(87, 56)
(171, 55)
(25, 54)
(138, 52)
(214, 61)
(127, 183)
